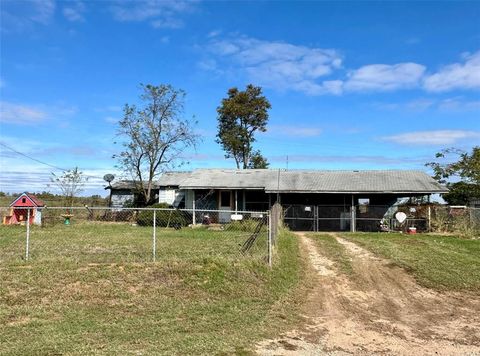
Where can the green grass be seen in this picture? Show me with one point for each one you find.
(436, 261)
(88, 290)
(333, 250)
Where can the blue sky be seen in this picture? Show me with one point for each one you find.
(353, 85)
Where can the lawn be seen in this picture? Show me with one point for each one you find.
(92, 289)
(436, 261)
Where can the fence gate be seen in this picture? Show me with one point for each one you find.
(366, 218)
(300, 217)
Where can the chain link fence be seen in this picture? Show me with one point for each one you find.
(106, 235)
(371, 218)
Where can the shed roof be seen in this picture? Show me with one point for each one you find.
(125, 184)
(165, 180)
(33, 199)
(314, 181)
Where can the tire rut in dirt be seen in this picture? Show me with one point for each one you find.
(380, 309)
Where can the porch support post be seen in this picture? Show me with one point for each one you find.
(352, 216)
(193, 212)
(236, 201)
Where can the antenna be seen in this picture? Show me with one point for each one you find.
(108, 178)
(287, 162)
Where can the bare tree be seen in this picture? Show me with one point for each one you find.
(156, 136)
(70, 183)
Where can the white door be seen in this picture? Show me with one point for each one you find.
(225, 204)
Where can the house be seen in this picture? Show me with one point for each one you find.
(257, 189)
(323, 198)
(165, 190)
(19, 208)
(126, 193)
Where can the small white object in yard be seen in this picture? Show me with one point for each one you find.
(307, 208)
(237, 217)
(400, 216)
(412, 210)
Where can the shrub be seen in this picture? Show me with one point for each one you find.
(164, 218)
(248, 225)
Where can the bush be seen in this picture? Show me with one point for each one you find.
(164, 218)
(248, 225)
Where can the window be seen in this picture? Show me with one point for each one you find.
(24, 200)
(225, 198)
(363, 205)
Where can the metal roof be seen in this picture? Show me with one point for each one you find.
(172, 178)
(313, 181)
(165, 180)
(126, 184)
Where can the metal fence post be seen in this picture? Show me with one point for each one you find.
(269, 217)
(154, 235)
(27, 247)
(193, 212)
(429, 217)
(352, 219)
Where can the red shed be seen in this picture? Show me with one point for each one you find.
(17, 215)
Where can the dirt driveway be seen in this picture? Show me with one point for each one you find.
(380, 309)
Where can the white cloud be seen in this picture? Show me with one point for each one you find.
(464, 75)
(278, 65)
(214, 33)
(420, 104)
(112, 120)
(26, 114)
(20, 114)
(165, 39)
(18, 16)
(74, 11)
(385, 77)
(436, 137)
(316, 71)
(43, 11)
(160, 13)
(423, 104)
(458, 104)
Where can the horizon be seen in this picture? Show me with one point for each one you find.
(353, 85)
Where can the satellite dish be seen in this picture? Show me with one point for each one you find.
(108, 178)
(400, 216)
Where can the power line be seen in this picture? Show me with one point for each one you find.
(41, 162)
(31, 158)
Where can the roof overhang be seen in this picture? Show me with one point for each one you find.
(222, 188)
(355, 192)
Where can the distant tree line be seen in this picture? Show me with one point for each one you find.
(57, 199)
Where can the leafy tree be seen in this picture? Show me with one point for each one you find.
(156, 135)
(465, 169)
(257, 161)
(240, 115)
(70, 183)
